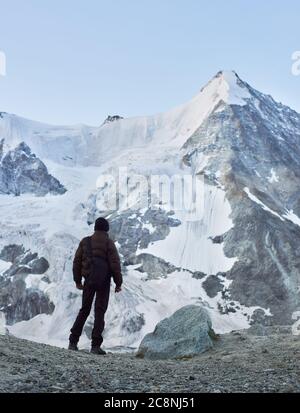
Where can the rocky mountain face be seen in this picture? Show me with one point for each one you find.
(22, 172)
(253, 151)
(240, 259)
(20, 299)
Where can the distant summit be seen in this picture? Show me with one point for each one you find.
(111, 119)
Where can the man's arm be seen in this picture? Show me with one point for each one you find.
(77, 265)
(115, 264)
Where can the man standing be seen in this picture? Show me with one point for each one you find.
(96, 260)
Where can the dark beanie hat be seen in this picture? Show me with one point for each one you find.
(101, 224)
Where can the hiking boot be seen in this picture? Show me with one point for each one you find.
(73, 346)
(98, 351)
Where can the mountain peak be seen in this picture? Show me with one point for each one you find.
(227, 86)
(227, 73)
(229, 76)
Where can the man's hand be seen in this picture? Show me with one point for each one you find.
(79, 286)
(118, 289)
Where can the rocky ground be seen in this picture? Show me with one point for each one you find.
(245, 361)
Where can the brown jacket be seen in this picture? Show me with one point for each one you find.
(102, 246)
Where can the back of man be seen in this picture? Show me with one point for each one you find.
(96, 261)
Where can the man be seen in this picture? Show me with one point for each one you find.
(96, 260)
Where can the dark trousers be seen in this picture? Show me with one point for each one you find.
(101, 304)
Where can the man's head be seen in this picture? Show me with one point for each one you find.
(101, 224)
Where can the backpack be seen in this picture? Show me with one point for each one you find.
(99, 276)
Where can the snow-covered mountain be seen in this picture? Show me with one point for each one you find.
(241, 259)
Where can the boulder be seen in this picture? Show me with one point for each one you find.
(187, 333)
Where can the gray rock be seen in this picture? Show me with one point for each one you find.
(26, 259)
(218, 240)
(39, 266)
(212, 286)
(22, 172)
(26, 304)
(187, 333)
(134, 324)
(154, 267)
(11, 252)
(198, 275)
(18, 302)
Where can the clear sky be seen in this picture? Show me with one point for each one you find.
(76, 61)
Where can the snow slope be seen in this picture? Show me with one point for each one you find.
(83, 145)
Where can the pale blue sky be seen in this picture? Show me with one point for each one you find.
(76, 61)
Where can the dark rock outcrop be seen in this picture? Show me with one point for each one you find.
(212, 285)
(22, 172)
(154, 267)
(112, 118)
(17, 301)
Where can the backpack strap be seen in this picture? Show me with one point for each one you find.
(107, 248)
(89, 248)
